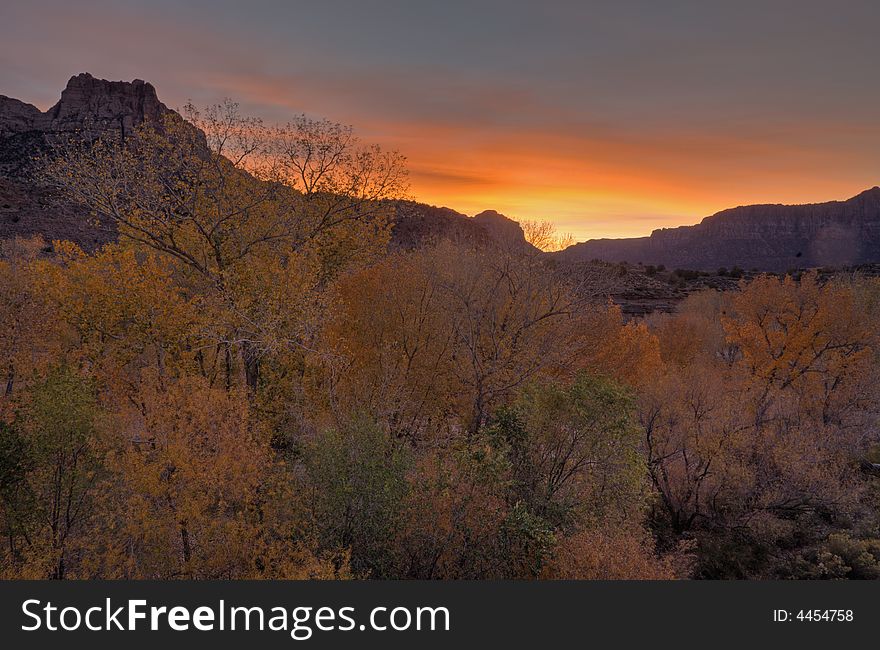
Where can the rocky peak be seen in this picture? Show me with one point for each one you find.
(107, 104)
(502, 229)
(492, 217)
(86, 103)
(868, 199)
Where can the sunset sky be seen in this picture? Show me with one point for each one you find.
(606, 118)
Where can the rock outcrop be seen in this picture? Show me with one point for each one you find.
(88, 106)
(85, 102)
(16, 116)
(417, 224)
(504, 230)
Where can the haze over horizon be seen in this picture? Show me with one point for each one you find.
(632, 123)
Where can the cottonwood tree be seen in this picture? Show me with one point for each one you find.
(754, 444)
(125, 317)
(194, 492)
(445, 334)
(232, 200)
(29, 335)
(544, 236)
(59, 467)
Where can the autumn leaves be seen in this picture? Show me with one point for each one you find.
(250, 385)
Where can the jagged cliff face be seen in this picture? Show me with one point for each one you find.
(85, 102)
(765, 237)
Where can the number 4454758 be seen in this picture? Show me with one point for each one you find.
(814, 615)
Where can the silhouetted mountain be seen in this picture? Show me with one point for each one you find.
(765, 237)
(93, 106)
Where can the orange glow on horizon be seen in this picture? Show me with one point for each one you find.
(592, 180)
(605, 197)
(606, 128)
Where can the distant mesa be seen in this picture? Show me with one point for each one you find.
(764, 237)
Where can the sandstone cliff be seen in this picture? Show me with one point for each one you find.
(765, 237)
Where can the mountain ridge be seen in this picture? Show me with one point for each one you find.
(90, 106)
(767, 237)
